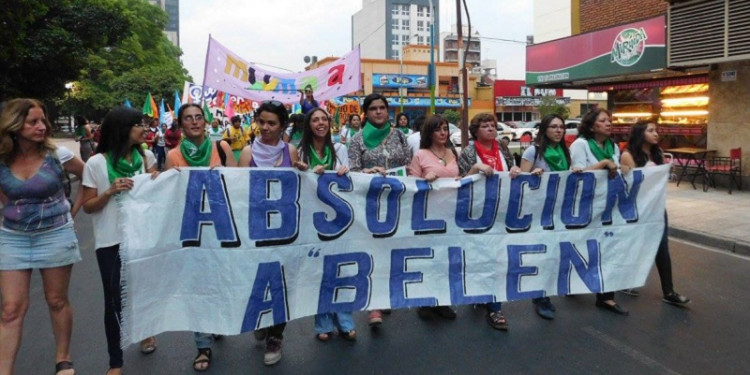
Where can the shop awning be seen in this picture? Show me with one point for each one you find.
(674, 81)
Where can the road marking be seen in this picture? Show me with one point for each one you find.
(627, 350)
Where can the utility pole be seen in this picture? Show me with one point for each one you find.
(464, 80)
(431, 68)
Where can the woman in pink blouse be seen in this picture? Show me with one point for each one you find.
(435, 159)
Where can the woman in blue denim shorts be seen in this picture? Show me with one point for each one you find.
(37, 227)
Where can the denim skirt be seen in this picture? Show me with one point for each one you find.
(50, 248)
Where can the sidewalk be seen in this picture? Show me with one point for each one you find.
(714, 218)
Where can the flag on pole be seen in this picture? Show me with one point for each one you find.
(163, 114)
(149, 106)
(170, 116)
(127, 103)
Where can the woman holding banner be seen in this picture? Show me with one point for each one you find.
(318, 152)
(548, 153)
(595, 150)
(486, 155)
(107, 174)
(270, 151)
(36, 228)
(199, 150)
(644, 151)
(376, 149)
(435, 159)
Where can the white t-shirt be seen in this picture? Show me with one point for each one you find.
(160, 138)
(63, 154)
(413, 140)
(107, 221)
(582, 157)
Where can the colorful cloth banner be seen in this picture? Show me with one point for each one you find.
(225, 71)
(278, 244)
(216, 101)
(340, 113)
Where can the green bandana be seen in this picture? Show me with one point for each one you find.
(404, 129)
(196, 156)
(555, 158)
(373, 136)
(326, 160)
(607, 153)
(124, 168)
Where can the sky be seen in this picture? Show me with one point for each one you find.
(282, 34)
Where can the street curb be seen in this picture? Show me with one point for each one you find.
(719, 242)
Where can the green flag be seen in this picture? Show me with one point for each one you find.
(148, 109)
(208, 115)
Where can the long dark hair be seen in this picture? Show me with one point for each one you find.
(586, 127)
(542, 141)
(430, 126)
(398, 117)
(307, 137)
(297, 121)
(635, 145)
(115, 133)
(277, 108)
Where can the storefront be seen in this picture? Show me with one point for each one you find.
(514, 101)
(629, 63)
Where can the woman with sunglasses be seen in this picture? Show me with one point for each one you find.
(377, 148)
(318, 152)
(643, 151)
(36, 228)
(270, 151)
(306, 100)
(595, 150)
(548, 153)
(107, 174)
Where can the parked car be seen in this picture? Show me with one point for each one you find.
(455, 135)
(523, 128)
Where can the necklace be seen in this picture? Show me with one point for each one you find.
(442, 158)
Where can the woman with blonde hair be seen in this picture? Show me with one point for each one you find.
(37, 227)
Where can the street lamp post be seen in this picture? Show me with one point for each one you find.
(431, 69)
(400, 76)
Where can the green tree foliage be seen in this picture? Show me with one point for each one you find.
(145, 60)
(46, 43)
(549, 106)
(452, 116)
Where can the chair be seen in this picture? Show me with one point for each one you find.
(729, 166)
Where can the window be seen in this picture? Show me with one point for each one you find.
(404, 39)
(395, 10)
(420, 39)
(404, 24)
(420, 11)
(420, 25)
(396, 53)
(405, 9)
(394, 40)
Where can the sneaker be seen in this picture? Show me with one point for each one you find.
(545, 309)
(375, 318)
(631, 292)
(424, 312)
(273, 351)
(676, 299)
(445, 312)
(497, 320)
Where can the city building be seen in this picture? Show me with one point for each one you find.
(514, 101)
(449, 46)
(172, 7)
(686, 63)
(404, 84)
(382, 28)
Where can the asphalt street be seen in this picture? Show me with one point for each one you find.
(707, 337)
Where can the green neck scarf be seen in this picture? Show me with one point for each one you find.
(607, 153)
(196, 156)
(124, 168)
(404, 129)
(326, 160)
(555, 158)
(373, 136)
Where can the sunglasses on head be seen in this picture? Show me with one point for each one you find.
(273, 103)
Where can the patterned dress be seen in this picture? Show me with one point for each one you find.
(391, 153)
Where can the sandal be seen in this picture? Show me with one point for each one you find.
(204, 356)
(350, 335)
(325, 336)
(148, 345)
(64, 365)
(497, 320)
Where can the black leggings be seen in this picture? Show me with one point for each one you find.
(664, 261)
(109, 267)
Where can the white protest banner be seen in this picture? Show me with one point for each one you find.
(231, 250)
(225, 71)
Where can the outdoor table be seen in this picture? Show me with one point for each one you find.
(691, 157)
